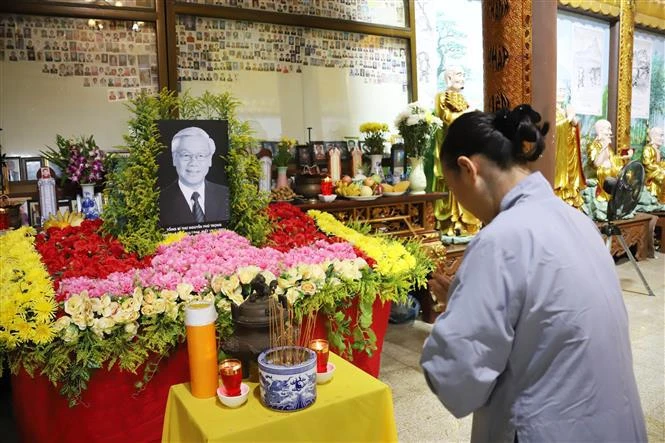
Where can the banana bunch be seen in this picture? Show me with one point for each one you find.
(64, 219)
(347, 189)
(399, 187)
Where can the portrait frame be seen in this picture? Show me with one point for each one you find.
(14, 165)
(304, 155)
(319, 152)
(397, 159)
(30, 166)
(201, 148)
(34, 214)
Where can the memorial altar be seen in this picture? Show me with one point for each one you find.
(93, 315)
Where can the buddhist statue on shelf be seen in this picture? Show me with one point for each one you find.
(654, 165)
(452, 218)
(569, 178)
(602, 162)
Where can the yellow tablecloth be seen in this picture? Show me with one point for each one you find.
(353, 406)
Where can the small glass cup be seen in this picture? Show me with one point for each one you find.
(230, 370)
(320, 346)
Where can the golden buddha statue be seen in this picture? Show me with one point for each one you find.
(601, 157)
(654, 165)
(453, 219)
(568, 173)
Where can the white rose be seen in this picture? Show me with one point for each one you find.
(80, 321)
(131, 304)
(305, 271)
(247, 274)
(286, 281)
(148, 310)
(71, 334)
(74, 304)
(62, 323)
(412, 120)
(292, 295)
(229, 285)
(172, 309)
(106, 324)
(131, 329)
(185, 291)
(318, 273)
(216, 283)
(122, 316)
(138, 293)
(236, 297)
(169, 294)
(96, 305)
(149, 296)
(110, 309)
(308, 288)
(223, 305)
(159, 305)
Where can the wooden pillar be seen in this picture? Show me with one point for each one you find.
(625, 80)
(519, 47)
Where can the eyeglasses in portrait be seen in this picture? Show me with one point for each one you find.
(194, 194)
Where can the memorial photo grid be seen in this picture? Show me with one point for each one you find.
(119, 56)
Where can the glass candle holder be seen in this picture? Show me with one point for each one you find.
(230, 371)
(320, 346)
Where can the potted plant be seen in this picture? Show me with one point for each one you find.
(374, 140)
(417, 126)
(282, 159)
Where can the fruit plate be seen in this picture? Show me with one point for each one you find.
(363, 198)
(393, 194)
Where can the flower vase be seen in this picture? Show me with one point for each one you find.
(417, 176)
(376, 168)
(282, 180)
(88, 204)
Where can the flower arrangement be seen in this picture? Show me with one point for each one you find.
(81, 160)
(284, 148)
(27, 306)
(374, 137)
(417, 127)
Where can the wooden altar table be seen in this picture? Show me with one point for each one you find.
(402, 216)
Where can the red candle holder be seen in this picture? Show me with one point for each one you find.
(326, 186)
(320, 346)
(231, 372)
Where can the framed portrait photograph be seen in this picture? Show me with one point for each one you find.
(64, 206)
(194, 194)
(304, 155)
(319, 150)
(35, 215)
(397, 160)
(14, 168)
(30, 167)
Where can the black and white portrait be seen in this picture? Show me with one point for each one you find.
(193, 188)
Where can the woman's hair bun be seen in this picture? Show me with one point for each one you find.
(519, 126)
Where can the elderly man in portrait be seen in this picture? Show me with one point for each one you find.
(191, 198)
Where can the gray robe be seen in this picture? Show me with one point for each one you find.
(535, 337)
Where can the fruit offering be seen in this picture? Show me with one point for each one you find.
(399, 187)
(346, 189)
(282, 193)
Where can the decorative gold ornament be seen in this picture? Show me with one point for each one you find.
(625, 90)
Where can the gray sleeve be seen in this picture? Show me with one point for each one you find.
(470, 343)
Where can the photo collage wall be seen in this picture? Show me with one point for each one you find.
(384, 12)
(218, 50)
(119, 56)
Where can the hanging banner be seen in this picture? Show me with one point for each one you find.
(587, 85)
(642, 57)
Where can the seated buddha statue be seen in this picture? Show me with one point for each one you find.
(452, 218)
(654, 165)
(601, 158)
(568, 172)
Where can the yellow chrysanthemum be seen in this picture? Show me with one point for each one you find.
(27, 305)
(173, 237)
(43, 333)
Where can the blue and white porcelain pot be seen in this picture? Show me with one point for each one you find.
(287, 387)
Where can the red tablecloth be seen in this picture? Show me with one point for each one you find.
(113, 411)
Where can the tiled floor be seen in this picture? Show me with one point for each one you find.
(420, 417)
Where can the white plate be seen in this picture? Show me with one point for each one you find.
(365, 198)
(393, 194)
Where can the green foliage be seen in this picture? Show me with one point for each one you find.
(283, 156)
(657, 99)
(132, 212)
